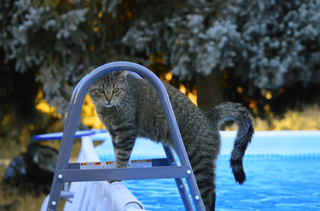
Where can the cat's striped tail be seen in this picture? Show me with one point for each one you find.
(238, 113)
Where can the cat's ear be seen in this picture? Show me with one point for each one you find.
(90, 69)
(123, 74)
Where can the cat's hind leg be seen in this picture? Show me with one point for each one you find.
(203, 162)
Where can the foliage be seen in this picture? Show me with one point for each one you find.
(279, 52)
(309, 119)
(266, 50)
(60, 39)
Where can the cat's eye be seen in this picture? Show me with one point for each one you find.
(101, 91)
(115, 90)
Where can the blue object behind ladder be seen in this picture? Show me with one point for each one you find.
(67, 173)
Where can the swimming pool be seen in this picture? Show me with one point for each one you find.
(283, 173)
(287, 184)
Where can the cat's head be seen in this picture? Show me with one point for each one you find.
(109, 90)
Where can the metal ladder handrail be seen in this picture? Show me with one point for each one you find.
(63, 173)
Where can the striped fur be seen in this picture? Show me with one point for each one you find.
(135, 110)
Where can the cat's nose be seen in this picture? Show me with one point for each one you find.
(108, 97)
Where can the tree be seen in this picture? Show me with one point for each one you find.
(267, 51)
(258, 52)
(277, 53)
(56, 42)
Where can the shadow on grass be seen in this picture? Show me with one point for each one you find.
(21, 200)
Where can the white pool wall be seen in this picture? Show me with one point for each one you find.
(263, 143)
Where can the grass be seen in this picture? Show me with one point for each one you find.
(25, 203)
(29, 201)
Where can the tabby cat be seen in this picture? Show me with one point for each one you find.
(130, 107)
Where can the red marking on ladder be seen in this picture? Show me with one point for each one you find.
(98, 163)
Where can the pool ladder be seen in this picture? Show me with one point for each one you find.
(65, 172)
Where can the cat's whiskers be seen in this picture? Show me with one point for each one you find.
(126, 105)
(117, 109)
(123, 108)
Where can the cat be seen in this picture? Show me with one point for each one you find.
(130, 107)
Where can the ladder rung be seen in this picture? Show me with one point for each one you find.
(161, 172)
(110, 164)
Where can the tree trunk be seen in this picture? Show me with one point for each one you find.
(209, 90)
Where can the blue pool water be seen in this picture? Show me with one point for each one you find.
(282, 168)
(282, 184)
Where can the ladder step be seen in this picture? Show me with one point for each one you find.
(110, 164)
(112, 174)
